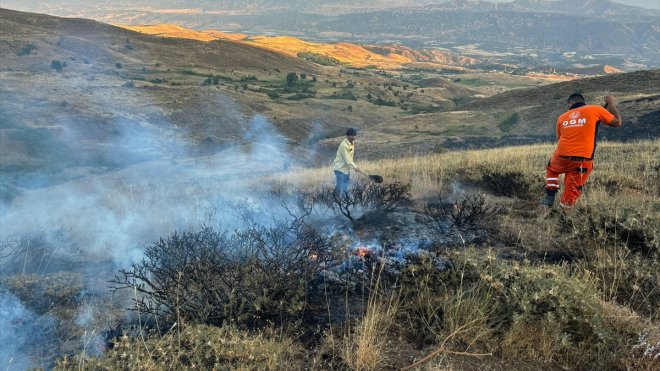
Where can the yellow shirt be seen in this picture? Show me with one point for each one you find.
(344, 159)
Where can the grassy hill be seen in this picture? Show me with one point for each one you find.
(103, 97)
(94, 83)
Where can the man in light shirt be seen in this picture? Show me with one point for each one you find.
(343, 163)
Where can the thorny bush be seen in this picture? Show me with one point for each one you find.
(469, 212)
(368, 196)
(251, 278)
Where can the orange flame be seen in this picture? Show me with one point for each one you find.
(362, 251)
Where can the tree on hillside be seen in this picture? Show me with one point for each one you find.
(56, 65)
(291, 78)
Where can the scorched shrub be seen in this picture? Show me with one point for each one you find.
(252, 278)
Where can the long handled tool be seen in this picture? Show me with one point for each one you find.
(374, 178)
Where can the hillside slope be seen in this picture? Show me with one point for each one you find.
(73, 38)
(518, 116)
(381, 56)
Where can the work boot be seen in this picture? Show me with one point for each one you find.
(549, 198)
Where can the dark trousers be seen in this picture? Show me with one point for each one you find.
(342, 182)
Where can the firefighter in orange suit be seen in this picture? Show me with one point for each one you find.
(576, 145)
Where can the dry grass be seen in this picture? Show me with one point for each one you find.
(364, 346)
(428, 174)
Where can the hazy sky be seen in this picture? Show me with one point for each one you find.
(651, 4)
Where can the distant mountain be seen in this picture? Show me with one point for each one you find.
(236, 6)
(591, 8)
(506, 30)
(588, 8)
(537, 31)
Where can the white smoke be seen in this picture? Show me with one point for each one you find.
(112, 216)
(143, 181)
(21, 332)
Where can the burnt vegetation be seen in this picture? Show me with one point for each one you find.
(366, 196)
(257, 276)
(471, 211)
(251, 278)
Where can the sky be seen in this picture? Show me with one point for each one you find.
(650, 4)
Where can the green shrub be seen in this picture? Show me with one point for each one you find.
(621, 245)
(27, 49)
(301, 96)
(382, 102)
(291, 78)
(344, 94)
(318, 58)
(508, 123)
(56, 65)
(518, 310)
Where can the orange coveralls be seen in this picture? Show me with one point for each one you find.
(576, 144)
